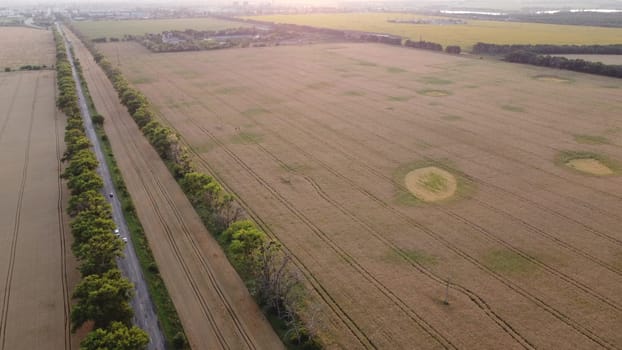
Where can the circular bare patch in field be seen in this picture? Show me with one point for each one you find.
(589, 165)
(434, 93)
(552, 78)
(431, 184)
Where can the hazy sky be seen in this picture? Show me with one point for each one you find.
(496, 4)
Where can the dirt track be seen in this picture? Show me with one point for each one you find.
(37, 269)
(213, 304)
(310, 139)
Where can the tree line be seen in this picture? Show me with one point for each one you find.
(549, 49)
(577, 65)
(102, 295)
(260, 261)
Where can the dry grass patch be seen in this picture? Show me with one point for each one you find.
(354, 93)
(591, 139)
(451, 117)
(552, 79)
(246, 137)
(506, 261)
(435, 80)
(431, 184)
(513, 108)
(589, 163)
(396, 70)
(434, 93)
(254, 111)
(399, 98)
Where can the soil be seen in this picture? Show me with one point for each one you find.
(416, 184)
(315, 169)
(552, 78)
(591, 166)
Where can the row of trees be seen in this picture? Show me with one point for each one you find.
(577, 65)
(260, 261)
(549, 49)
(102, 295)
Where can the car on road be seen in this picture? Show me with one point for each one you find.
(124, 239)
(116, 232)
(111, 195)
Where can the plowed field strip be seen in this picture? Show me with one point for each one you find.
(238, 326)
(63, 238)
(205, 307)
(16, 225)
(574, 324)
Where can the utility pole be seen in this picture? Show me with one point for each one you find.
(446, 301)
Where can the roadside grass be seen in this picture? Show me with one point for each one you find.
(506, 261)
(591, 139)
(465, 186)
(164, 307)
(564, 157)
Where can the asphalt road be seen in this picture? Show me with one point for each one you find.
(144, 311)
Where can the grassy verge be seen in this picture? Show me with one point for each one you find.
(164, 307)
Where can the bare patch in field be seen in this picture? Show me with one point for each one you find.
(434, 93)
(552, 79)
(588, 165)
(431, 184)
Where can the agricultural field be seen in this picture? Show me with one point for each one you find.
(25, 46)
(214, 306)
(464, 35)
(427, 199)
(37, 269)
(117, 29)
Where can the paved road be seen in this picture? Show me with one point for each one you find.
(144, 311)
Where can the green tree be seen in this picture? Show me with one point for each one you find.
(98, 254)
(82, 161)
(88, 200)
(88, 180)
(243, 240)
(118, 337)
(102, 299)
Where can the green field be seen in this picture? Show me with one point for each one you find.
(97, 29)
(464, 35)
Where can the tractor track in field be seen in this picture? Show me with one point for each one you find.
(8, 114)
(240, 328)
(16, 223)
(62, 238)
(538, 301)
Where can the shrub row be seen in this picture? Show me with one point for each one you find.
(102, 295)
(549, 49)
(260, 261)
(577, 65)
